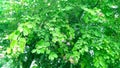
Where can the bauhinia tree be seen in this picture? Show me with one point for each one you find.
(64, 33)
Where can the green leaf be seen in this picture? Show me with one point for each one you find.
(13, 36)
(8, 50)
(47, 51)
(67, 8)
(39, 51)
(22, 43)
(13, 43)
(26, 31)
(53, 55)
(92, 12)
(86, 48)
(34, 50)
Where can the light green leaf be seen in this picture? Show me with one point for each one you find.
(53, 55)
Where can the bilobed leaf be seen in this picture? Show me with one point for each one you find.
(13, 43)
(68, 8)
(22, 43)
(47, 51)
(41, 42)
(92, 12)
(26, 31)
(29, 25)
(39, 51)
(47, 44)
(34, 50)
(53, 55)
(13, 36)
(20, 28)
(8, 50)
(86, 48)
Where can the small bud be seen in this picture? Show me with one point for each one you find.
(1, 47)
(71, 60)
(70, 38)
(114, 6)
(116, 15)
(48, 4)
(91, 52)
(63, 41)
(1, 55)
(68, 43)
(6, 37)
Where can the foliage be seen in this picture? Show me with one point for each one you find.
(61, 33)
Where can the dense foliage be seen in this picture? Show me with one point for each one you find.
(60, 33)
